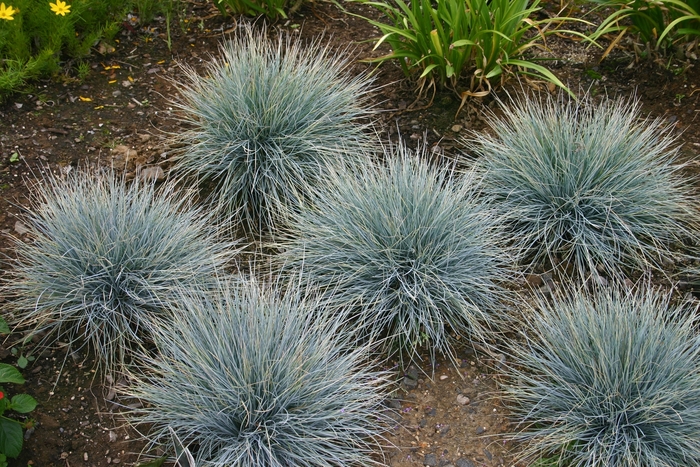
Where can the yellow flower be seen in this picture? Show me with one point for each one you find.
(7, 12)
(60, 8)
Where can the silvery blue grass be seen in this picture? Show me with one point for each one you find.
(588, 184)
(609, 380)
(102, 260)
(258, 376)
(265, 120)
(411, 247)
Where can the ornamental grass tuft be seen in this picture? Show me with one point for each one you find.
(265, 120)
(261, 376)
(103, 258)
(608, 380)
(588, 185)
(411, 247)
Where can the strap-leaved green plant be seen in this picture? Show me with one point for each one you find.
(272, 9)
(660, 24)
(447, 40)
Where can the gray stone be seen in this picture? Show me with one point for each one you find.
(430, 460)
(534, 280)
(412, 372)
(394, 404)
(152, 173)
(462, 462)
(409, 383)
(462, 399)
(21, 229)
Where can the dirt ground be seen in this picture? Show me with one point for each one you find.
(119, 116)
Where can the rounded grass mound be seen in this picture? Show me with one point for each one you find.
(590, 185)
(103, 259)
(262, 377)
(266, 119)
(411, 247)
(610, 380)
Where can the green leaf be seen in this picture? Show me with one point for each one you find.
(428, 69)
(495, 71)
(542, 72)
(183, 456)
(23, 403)
(154, 463)
(14, 157)
(10, 437)
(4, 328)
(462, 42)
(22, 362)
(3, 460)
(10, 374)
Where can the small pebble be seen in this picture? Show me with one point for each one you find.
(462, 399)
(462, 462)
(85, 456)
(534, 280)
(20, 228)
(409, 383)
(443, 377)
(394, 404)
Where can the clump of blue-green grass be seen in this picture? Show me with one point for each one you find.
(258, 375)
(608, 380)
(265, 120)
(103, 258)
(587, 185)
(413, 248)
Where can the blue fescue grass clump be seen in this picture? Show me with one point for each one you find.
(261, 376)
(265, 120)
(609, 380)
(587, 184)
(103, 258)
(411, 247)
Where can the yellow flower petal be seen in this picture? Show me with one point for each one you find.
(7, 12)
(60, 7)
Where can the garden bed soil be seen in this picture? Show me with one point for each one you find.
(119, 116)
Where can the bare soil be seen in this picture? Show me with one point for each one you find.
(119, 115)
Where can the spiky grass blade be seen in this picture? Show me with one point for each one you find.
(265, 119)
(259, 376)
(611, 380)
(410, 246)
(587, 184)
(103, 259)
